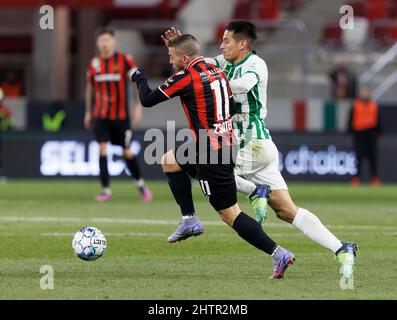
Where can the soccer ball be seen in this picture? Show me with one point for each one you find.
(89, 243)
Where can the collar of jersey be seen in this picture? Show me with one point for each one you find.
(245, 59)
(194, 61)
(114, 54)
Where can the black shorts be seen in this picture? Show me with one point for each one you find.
(217, 182)
(118, 132)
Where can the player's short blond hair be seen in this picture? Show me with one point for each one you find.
(185, 44)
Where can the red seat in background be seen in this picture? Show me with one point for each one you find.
(392, 34)
(376, 9)
(393, 9)
(242, 10)
(380, 34)
(332, 34)
(358, 8)
(269, 10)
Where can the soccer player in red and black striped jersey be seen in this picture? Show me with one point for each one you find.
(107, 111)
(208, 104)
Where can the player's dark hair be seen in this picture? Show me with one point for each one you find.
(104, 30)
(242, 30)
(186, 43)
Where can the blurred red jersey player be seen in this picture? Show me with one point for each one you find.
(106, 109)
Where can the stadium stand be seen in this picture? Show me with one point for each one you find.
(298, 56)
(381, 15)
(332, 35)
(267, 10)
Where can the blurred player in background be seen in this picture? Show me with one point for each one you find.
(257, 160)
(208, 103)
(107, 114)
(365, 127)
(5, 124)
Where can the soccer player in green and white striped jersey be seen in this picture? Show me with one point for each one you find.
(257, 163)
(249, 77)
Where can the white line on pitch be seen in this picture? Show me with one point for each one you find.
(137, 234)
(211, 235)
(167, 222)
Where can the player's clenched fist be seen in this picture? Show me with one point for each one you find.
(136, 74)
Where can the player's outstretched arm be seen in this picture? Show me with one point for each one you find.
(148, 97)
(170, 34)
(245, 83)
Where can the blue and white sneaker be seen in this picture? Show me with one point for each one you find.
(258, 202)
(187, 228)
(346, 256)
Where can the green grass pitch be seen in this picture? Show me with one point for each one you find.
(39, 218)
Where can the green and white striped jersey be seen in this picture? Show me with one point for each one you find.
(248, 81)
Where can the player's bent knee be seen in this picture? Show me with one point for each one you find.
(286, 215)
(168, 163)
(281, 214)
(227, 218)
(167, 158)
(230, 214)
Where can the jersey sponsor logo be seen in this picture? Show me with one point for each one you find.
(168, 82)
(207, 73)
(107, 77)
(241, 117)
(223, 127)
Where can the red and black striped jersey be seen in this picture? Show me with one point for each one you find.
(206, 98)
(109, 80)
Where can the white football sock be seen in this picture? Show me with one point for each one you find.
(311, 227)
(139, 183)
(108, 191)
(244, 186)
(189, 216)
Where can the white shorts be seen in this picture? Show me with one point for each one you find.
(258, 162)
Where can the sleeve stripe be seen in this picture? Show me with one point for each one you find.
(164, 92)
(250, 71)
(177, 86)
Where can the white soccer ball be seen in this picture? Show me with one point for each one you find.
(89, 243)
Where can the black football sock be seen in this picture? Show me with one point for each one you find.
(133, 166)
(181, 188)
(252, 232)
(103, 171)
